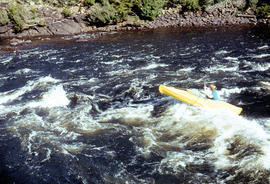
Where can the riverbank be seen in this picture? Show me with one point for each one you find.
(222, 14)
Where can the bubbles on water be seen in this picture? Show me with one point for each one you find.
(185, 136)
(105, 122)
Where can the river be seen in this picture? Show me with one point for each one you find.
(90, 112)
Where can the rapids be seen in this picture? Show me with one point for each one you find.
(90, 112)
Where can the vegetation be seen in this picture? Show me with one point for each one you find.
(89, 2)
(149, 9)
(19, 15)
(252, 3)
(67, 12)
(23, 16)
(193, 5)
(102, 15)
(3, 17)
(264, 10)
(23, 13)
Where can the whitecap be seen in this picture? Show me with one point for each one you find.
(263, 47)
(261, 56)
(55, 97)
(222, 52)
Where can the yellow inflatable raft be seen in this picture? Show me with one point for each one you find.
(187, 97)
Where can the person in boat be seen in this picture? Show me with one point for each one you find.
(211, 92)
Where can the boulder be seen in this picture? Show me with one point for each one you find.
(4, 29)
(64, 27)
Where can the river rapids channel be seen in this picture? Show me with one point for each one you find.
(90, 112)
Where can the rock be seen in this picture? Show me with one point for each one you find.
(4, 5)
(250, 11)
(64, 27)
(4, 29)
(239, 3)
(16, 41)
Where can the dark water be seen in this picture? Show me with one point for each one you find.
(90, 112)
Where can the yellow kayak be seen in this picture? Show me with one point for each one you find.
(192, 99)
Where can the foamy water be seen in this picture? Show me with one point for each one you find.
(90, 112)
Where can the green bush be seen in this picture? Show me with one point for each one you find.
(149, 9)
(252, 3)
(123, 8)
(102, 15)
(67, 12)
(264, 10)
(218, 1)
(23, 15)
(191, 4)
(18, 15)
(3, 17)
(204, 3)
(61, 3)
(89, 2)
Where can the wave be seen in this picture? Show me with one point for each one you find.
(9, 96)
(55, 97)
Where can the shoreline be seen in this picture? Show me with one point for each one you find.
(15, 44)
(217, 17)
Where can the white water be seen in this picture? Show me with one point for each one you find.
(91, 104)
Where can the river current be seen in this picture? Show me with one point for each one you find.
(90, 112)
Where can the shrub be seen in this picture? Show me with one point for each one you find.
(149, 9)
(264, 10)
(190, 4)
(218, 1)
(18, 14)
(205, 3)
(89, 2)
(67, 12)
(123, 8)
(23, 15)
(102, 15)
(61, 3)
(252, 3)
(3, 17)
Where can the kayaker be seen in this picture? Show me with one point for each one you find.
(211, 92)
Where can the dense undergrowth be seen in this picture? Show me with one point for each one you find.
(24, 13)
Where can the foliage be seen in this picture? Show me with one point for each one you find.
(22, 16)
(205, 3)
(61, 3)
(264, 10)
(218, 1)
(123, 8)
(67, 12)
(191, 4)
(18, 14)
(252, 3)
(102, 15)
(23, 13)
(149, 9)
(3, 17)
(88, 2)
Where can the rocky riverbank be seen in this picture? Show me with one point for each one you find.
(222, 14)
